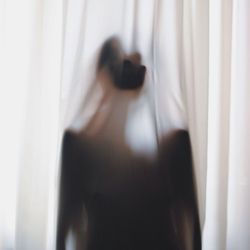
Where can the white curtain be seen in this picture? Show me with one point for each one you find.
(228, 174)
(198, 57)
(30, 56)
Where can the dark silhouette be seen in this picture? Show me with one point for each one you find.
(113, 199)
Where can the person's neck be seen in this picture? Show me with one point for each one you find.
(109, 122)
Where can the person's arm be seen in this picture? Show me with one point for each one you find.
(176, 167)
(71, 189)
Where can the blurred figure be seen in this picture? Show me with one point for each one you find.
(113, 199)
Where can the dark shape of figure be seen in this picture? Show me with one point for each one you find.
(176, 168)
(126, 72)
(115, 200)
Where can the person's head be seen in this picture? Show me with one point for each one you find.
(125, 71)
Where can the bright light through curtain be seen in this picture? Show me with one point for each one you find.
(198, 57)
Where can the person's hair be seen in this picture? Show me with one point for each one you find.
(124, 73)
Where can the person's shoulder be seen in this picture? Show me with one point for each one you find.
(180, 135)
(73, 137)
(69, 137)
(76, 151)
(74, 142)
(176, 164)
(175, 140)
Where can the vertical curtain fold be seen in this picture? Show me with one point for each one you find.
(238, 206)
(220, 13)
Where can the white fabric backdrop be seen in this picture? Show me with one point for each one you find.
(198, 57)
(30, 36)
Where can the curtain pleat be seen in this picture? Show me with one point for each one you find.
(238, 204)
